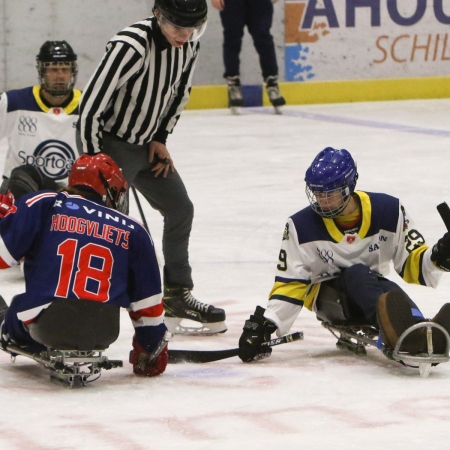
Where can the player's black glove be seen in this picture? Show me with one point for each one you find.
(257, 329)
(441, 253)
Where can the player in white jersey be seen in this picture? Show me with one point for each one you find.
(353, 236)
(39, 124)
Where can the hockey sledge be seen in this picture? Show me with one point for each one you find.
(75, 333)
(355, 335)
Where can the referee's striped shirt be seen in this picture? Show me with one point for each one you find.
(139, 89)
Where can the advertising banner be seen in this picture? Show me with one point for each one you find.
(366, 39)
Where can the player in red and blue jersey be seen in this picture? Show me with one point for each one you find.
(79, 244)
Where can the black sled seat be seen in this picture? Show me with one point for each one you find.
(346, 323)
(332, 306)
(74, 324)
(75, 333)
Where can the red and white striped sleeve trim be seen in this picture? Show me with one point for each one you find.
(30, 314)
(31, 201)
(146, 302)
(6, 260)
(147, 312)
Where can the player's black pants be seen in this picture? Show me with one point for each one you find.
(363, 288)
(15, 328)
(257, 16)
(168, 196)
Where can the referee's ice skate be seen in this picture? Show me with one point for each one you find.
(180, 305)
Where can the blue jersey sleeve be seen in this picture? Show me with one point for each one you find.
(20, 228)
(146, 306)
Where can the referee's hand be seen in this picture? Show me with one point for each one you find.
(158, 151)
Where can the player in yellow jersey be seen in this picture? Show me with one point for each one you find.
(39, 123)
(352, 236)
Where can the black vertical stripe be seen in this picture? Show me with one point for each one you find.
(124, 110)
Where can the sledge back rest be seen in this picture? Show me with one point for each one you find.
(333, 306)
(74, 324)
(329, 305)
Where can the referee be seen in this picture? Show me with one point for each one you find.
(128, 108)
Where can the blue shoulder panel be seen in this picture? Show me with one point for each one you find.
(384, 213)
(310, 226)
(22, 99)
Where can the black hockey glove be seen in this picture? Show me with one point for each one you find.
(441, 253)
(257, 330)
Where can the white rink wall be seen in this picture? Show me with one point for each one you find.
(88, 25)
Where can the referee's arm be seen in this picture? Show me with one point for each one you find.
(175, 108)
(119, 64)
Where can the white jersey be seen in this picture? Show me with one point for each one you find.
(38, 135)
(314, 248)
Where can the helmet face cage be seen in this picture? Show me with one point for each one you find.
(60, 92)
(330, 181)
(330, 203)
(56, 54)
(100, 173)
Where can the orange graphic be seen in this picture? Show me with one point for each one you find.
(293, 16)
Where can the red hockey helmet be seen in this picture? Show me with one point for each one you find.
(102, 174)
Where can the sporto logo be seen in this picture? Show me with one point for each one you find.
(54, 158)
(27, 124)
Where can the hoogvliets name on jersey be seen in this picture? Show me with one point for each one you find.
(106, 232)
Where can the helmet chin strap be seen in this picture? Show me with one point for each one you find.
(108, 189)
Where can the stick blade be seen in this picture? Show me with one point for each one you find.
(444, 212)
(198, 356)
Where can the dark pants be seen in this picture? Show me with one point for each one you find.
(257, 16)
(363, 288)
(168, 196)
(65, 324)
(15, 328)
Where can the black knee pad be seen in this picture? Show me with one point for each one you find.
(27, 178)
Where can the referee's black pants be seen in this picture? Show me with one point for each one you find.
(168, 196)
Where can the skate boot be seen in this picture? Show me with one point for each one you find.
(235, 99)
(179, 304)
(4, 339)
(394, 316)
(3, 309)
(273, 91)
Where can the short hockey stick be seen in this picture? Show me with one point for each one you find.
(204, 356)
(164, 341)
(141, 211)
(444, 211)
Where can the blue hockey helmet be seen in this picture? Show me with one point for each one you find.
(330, 181)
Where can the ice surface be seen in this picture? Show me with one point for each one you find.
(245, 177)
